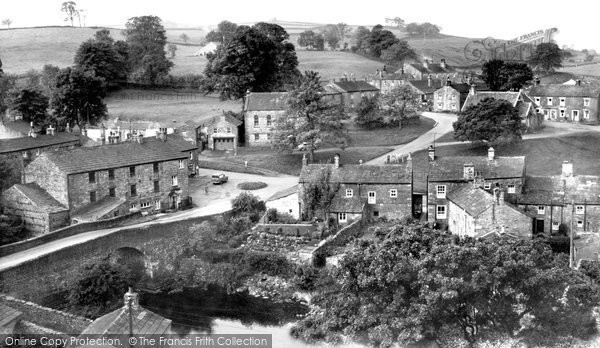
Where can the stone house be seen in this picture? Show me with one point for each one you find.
(451, 97)
(526, 107)
(447, 174)
(285, 201)
(427, 69)
(260, 112)
(568, 103)
(425, 89)
(475, 212)
(221, 132)
(361, 191)
(386, 82)
(567, 199)
(353, 90)
(148, 174)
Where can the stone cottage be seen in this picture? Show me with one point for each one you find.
(361, 191)
(260, 112)
(569, 103)
(221, 132)
(427, 68)
(452, 96)
(353, 90)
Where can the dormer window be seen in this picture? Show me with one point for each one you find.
(181, 164)
(487, 185)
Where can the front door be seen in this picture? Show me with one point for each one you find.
(575, 115)
(538, 226)
(417, 206)
(174, 202)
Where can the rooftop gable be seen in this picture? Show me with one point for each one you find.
(269, 101)
(39, 197)
(354, 86)
(452, 168)
(363, 174)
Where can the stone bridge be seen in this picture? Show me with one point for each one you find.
(156, 247)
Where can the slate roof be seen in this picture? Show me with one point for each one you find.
(517, 99)
(98, 209)
(87, 159)
(393, 76)
(433, 68)
(40, 197)
(424, 87)
(234, 121)
(452, 168)
(364, 174)
(266, 101)
(560, 90)
(8, 315)
(283, 193)
(44, 140)
(347, 205)
(145, 322)
(474, 200)
(20, 126)
(557, 190)
(354, 86)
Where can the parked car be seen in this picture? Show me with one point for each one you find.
(218, 179)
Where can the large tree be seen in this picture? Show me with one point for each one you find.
(146, 39)
(100, 56)
(311, 40)
(398, 53)
(360, 38)
(31, 104)
(223, 34)
(70, 10)
(380, 39)
(78, 98)
(399, 104)
(331, 36)
(506, 76)
(257, 58)
(547, 56)
(416, 283)
(489, 120)
(310, 119)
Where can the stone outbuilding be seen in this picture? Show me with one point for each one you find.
(261, 110)
(222, 132)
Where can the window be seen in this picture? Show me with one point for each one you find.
(111, 192)
(371, 197)
(342, 217)
(145, 205)
(440, 191)
(579, 209)
(579, 223)
(133, 190)
(256, 137)
(440, 211)
(256, 121)
(562, 101)
(228, 129)
(269, 122)
(549, 99)
(269, 136)
(586, 114)
(92, 196)
(181, 164)
(155, 167)
(537, 100)
(555, 225)
(487, 185)
(133, 206)
(541, 210)
(553, 114)
(349, 193)
(215, 130)
(376, 213)
(92, 177)
(538, 110)
(393, 193)
(174, 180)
(440, 105)
(439, 96)
(156, 186)
(131, 171)
(562, 113)
(454, 97)
(157, 205)
(111, 174)
(453, 106)
(586, 101)
(511, 188)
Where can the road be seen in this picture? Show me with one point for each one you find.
(217, 200)
(443, 125)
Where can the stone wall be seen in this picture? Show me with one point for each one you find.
(341, 238)
(296, 230)
(47, 317)
(263, 129)
(49, 177)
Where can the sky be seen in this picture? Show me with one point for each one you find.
(503, 19)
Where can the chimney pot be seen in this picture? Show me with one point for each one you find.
(431, 153)
(304, 160)
(133, 298)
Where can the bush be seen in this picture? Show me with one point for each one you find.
(251, 185)
(270, 263)
(272, 215)
(249, 205)
(306, 277)
(319, 260)
(237, 241)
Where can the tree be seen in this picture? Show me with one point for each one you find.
(310, 119)
(100, 56)
(380, 39)
(342, 29)
(319, 195)
(146, 39)
(247, 204)
(70, 10)
(48, 79)
(546, 56)
(361, 36)
(331, 36)
(506, 76)
(257, 58)
(397, 21)
(367, 112)
(490, 120)
(399, 104)
(223, 34)
(416, 283)
(172, 48)
(398, 53)
(78, 98)
(7, 22)
(31, 104)
(307, 39)
(184, 37)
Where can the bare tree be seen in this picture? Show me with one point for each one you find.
(7, 22)
(184, 37)
(70, 9)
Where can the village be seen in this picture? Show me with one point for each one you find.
(465, 196)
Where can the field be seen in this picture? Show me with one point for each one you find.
(389, 136)
(580, 148)
(590, 69)
(166, 105)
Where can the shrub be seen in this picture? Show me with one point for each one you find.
(319, 260)
(249, 205)
(270, 263)
(236, 241)
(305, 277)
(251, 185)
(272, 215)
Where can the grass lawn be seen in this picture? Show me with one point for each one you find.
(590, 69)
(166, 105)
(389, 136)
(543, 156)
(446, 138)
(291, 163)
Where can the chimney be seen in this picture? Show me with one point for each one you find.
(132, 297)
(162, 134)
(336, 160)
(429, 80)
(304, 160)
(443, 63)
(567, 169)
(68, 128)
(501, 198)
(448, 81)
(139, 138)
(495, 193)
(32, 132)
(537, 81)
(491, 154)
(50, 130)
(468, 171)
(578, 82)
(472, 90)
(431, 152)
(426, 63)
